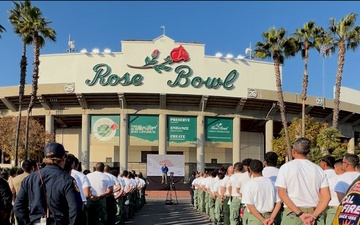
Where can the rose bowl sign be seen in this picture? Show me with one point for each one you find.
(104, 77)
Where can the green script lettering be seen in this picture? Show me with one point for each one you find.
(104, 77)
(185, 72)
(230, 79)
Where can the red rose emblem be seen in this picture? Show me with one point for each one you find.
(114, 126)
(155, 53)
(179, 54)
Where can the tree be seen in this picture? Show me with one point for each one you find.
(277, 47)
(328, 140)
(39, 30)
(2, 29)
(324, 140)
(345, 36)
(16, 18)
(308, 37)
(39, 137)
(312, 129)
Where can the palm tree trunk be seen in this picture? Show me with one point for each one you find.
(282, 105)
(341, 60)
(23, 65)
(35, 78)
(27, 135)
(304, 92)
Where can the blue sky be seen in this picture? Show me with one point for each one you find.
(227, 27)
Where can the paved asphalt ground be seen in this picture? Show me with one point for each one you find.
(155, 212)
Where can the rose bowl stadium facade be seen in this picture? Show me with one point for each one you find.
(165, 97)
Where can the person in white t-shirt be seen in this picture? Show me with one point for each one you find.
(235, 194)
(218, 198)
(349, 163)
(240, 184)
(334, 202)
(196, 184)
(69, 166)
(225, 194)
(327, 164)
(111, 204)
(143, 184)
(303, 187)
(260, 197)
(82, 181)
(270, 170)
(202, 199)
(101, 187)
(211, 194)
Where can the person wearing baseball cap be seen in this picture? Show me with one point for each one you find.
(50, 193)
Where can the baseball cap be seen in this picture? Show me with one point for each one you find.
(54, 150)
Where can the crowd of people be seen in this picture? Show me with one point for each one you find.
(58, 192)
(252, 192)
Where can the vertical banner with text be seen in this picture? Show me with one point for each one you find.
(144, 130)
(219, 130)
(182, 130)
(105, 129)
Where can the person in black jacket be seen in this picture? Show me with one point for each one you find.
(5, 202)
(58, 199)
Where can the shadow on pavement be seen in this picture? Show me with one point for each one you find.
(155, 212)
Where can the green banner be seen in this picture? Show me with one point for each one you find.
(144, 130)
(105, 129)
(219, 129)
(182, 130)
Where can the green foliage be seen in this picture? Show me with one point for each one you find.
(328, 140)
(324, 140)
(279, 147)
(312, 128)
(339, 152)
(2, 29)
(315, 155)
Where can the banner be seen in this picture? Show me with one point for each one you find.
(219, 129)
(348, 212)
(105, 129)
(144, 130)
(181, 130)
(175, 163)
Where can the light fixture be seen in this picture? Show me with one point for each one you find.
(83, 50)
(229, 56)
(107, 50)
(241, 57)
(248, 52)
(95, 50)
(218, 54)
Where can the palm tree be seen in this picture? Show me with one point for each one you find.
(2, 29)
(17, 20)
(277, 47)
(310, 36)
(345, 36)
(38, 28)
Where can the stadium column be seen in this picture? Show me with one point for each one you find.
(269, 134)
(49, 123)
(123, 142)
(236, 139)
(351, 146)
(200, 144)
(84, 156)
(162, 134)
